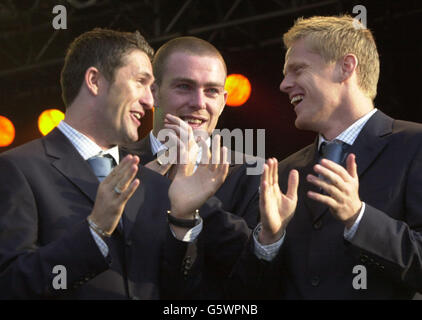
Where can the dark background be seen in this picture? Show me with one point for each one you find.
(247, 32)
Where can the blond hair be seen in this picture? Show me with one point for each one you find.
(336, 36)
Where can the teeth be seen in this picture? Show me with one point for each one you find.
(296, 99)
(194, 121)
(137, 115)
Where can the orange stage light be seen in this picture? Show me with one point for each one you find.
(48, 120)
(238, 88)
(7, 132)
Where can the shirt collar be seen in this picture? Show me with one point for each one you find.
(84, 145)
(351, 133)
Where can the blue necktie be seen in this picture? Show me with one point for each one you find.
(335, 151)
(102, 165)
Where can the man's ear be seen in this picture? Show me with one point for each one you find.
(348, 66)
(225, 100)
(93, 80)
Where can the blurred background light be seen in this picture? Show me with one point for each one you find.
(239, 90)
(7, 132)
(48, 120)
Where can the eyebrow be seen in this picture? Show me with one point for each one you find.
(193, 82)
(146, 75)
(293, 65)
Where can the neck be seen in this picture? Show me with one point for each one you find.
(344, 118)
(88, 124)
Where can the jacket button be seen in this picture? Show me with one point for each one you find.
(318, 225)
(315, 281)
(128, 243)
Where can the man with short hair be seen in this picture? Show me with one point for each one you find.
(112, 238)
(360, 181)
(189, 97)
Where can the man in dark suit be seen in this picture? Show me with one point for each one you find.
(65, 235)
(189, 97)
(357, 229)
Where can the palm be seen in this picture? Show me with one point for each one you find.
(188, 190)
(276, 208)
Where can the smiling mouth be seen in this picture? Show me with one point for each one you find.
(193, 122)
(136, 116)
(297, 99)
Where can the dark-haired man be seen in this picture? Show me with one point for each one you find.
(108, 239)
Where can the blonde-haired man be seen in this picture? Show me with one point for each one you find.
(357, 229)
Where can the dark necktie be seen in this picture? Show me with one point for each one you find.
(335, 151)
(102, 165)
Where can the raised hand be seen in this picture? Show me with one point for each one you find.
(183, 138)
(341, 187)
(113, 193)
(276, 208)
(189, 191)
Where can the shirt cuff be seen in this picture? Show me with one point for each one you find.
(192, 233)
(349, 233)
(100, 243)
(269, 251)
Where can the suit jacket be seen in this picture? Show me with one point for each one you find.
(47, 190)
(228, 217)
(316, 262)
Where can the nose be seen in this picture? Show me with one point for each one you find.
(198, 99)
(286, 84)
(147, 100)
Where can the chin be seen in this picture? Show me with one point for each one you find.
(301, 124)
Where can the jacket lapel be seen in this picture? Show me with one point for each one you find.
(66, 159)
(370, 143)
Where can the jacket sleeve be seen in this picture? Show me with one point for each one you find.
(26, 267)
(394, 247)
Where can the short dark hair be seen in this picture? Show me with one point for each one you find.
(104, 49)
(189, 45)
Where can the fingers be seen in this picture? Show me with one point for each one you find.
(216, 151)
(336, 168)
(205, 154)
(122, 175)
(224, 166)
(351, 165)
(329, 188)
(125, 196)
(330, 175)
(329, 201)
(127, 176)
(292, 184)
